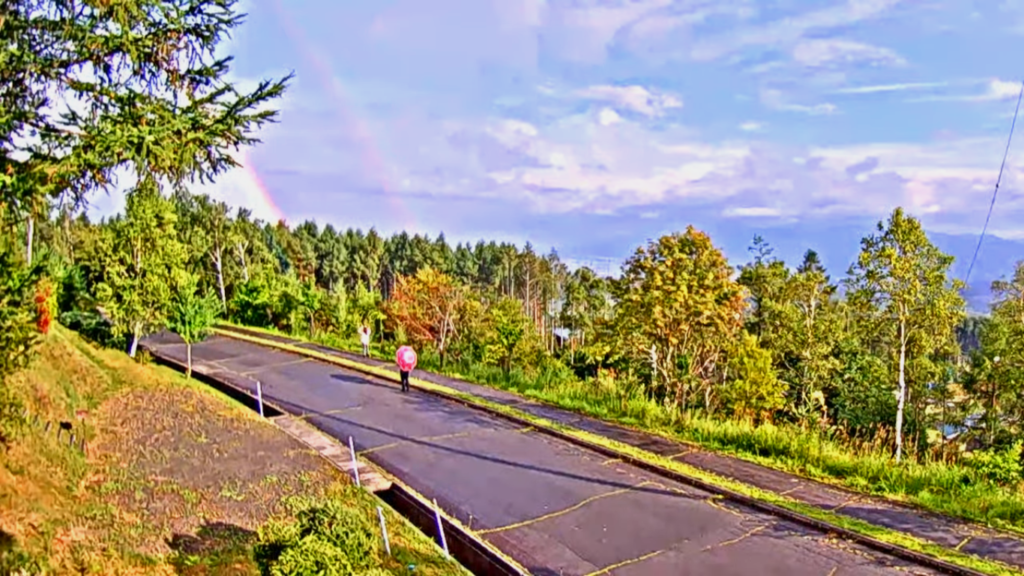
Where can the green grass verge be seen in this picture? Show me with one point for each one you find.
(941, 487)
(854, 525)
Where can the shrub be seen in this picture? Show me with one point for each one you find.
(1002, 466)
(327, 538)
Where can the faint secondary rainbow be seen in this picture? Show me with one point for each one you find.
(372, 160)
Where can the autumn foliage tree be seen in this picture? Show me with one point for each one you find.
(679, 306)
(432, 307)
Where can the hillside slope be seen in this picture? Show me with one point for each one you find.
(175, 478)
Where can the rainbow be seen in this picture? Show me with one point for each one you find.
(253, 181)
(372, 159)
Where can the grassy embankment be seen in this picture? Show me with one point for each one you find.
(176, 478)
(942, 487)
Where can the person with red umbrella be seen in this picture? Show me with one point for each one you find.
(406, 360)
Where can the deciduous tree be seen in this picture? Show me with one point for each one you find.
(677, 298)
(429, 306)
(143, 258)
(904, 277)
(192, 315)
(510, 327)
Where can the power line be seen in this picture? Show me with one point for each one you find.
(995, 191)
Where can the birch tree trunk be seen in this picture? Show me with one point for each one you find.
(901, 402)
(29, 233)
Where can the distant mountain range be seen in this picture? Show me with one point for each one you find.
(839, 246)
(836, 243)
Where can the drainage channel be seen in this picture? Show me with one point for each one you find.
(467, 550)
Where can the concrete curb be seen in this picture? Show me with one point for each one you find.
(778, 511)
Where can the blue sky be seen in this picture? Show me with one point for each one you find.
(592, 125)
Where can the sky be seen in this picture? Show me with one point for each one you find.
(593, 125)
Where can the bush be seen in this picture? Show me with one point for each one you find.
(1002, 466)
(14, 560)
(327, 539)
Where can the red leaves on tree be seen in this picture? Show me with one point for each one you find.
(44, 306)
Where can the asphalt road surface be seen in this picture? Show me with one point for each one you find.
(554, 507)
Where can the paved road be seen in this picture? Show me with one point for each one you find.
(555, 508)
(942, 530)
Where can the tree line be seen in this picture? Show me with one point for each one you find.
(886, 349)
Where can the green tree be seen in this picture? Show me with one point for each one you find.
(585, 302)
(92, 89)
(215, 221)
(765, 279)
(904, 278)
(192, 315)
(150, 95)
(996, 379)
(812, 337)
(141, 261)
(752, 390)
(510, 326)
(310, 301)
(677, 299)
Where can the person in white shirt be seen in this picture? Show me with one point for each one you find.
(364, 339)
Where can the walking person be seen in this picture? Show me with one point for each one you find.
(364, 339)
(406, 360)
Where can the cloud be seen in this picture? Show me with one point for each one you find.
(898, 87)
(584, 31)
(751, 212)
(790, 30)
(633, 98)
(464, 135)
(777, 100)
(820, 52)
(993, 90)
(749, 180)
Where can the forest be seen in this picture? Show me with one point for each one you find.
(836, 374)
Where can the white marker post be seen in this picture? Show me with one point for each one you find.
(440, 529)
(259, 397)
(384, 530)
(355, 465)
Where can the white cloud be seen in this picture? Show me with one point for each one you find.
(788, 31)
(994, 90)
(1002, 90)
(609, 158)
(899, 87)
(777, 100)
(583, 163)
(583, 31)
(607, 117)
(751, 212)
(819, 52)
(633, 98)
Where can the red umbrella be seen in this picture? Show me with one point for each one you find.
(406, 358)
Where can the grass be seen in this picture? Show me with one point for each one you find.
(877, 532)
(867, 467)
(176, 478)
